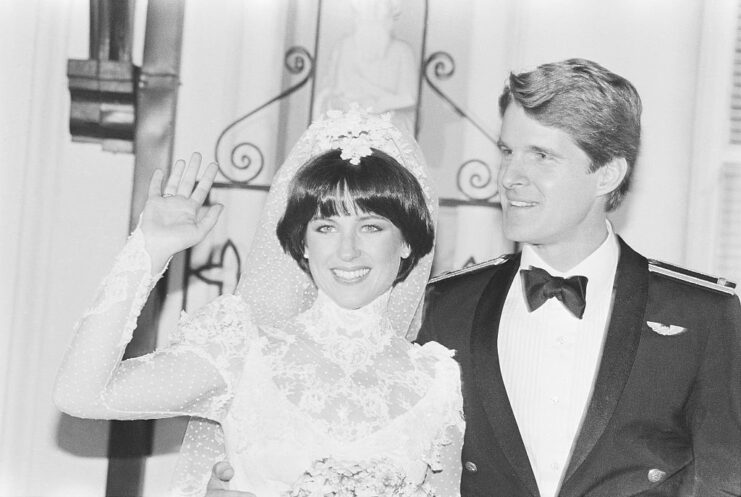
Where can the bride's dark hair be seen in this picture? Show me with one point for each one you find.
(330, 186)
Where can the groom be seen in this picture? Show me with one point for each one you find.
(587, 369)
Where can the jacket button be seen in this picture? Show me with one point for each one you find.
(656, 475)
(470, 467)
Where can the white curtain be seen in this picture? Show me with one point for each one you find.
(64, 216)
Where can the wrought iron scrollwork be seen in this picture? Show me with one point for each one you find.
(295, 61)
(442, 66)
(241, 165)
(246, 160)
(476, 180)
(217, 271)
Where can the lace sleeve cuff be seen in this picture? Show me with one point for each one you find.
(132, 266)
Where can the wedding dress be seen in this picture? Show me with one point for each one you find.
(313, 399)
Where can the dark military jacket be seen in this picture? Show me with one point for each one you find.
(664, 418)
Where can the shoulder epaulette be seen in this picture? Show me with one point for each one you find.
(470, 269)
(692, 277)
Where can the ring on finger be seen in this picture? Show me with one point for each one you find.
(165, 195)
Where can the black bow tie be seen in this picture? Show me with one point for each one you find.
(539, 286)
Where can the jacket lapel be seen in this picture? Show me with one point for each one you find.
(630, 293)
(488, 376)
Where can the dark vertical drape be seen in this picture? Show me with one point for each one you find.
(156, 103)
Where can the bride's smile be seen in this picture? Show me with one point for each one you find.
(350, 275)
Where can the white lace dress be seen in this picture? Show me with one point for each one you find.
(333, 400)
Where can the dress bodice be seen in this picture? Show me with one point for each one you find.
(339, 385)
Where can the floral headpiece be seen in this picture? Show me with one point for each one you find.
(357, 131)
(354, 132)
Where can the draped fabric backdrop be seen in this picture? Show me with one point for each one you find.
(64, 217)
(65, 205)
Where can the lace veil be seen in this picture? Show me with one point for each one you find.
(273, 285)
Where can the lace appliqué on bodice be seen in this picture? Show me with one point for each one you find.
(351, 339)
(341, 384)
(346, 369)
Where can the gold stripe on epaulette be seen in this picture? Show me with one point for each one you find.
(469, 269)
(693, 277)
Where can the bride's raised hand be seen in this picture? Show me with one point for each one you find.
(175, 218)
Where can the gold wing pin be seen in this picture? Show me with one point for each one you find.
(665, 329)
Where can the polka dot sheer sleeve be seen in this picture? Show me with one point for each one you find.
(195, 376)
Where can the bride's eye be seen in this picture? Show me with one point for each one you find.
(371, 228)
(324, 228)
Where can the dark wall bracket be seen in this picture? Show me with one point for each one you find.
(103, 88)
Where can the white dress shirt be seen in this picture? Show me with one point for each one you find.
(549, 360)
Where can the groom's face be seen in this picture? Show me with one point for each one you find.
(549, 195)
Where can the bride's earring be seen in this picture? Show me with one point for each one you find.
(406, 251)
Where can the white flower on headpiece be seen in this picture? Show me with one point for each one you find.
(354, 132)
(355, 150)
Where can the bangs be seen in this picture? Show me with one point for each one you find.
(346, 198)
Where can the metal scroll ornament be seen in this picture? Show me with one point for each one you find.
(246, 160)
(476, 180)
(222, 269)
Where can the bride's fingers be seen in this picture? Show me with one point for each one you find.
(171, 188)
(208, 217)
(191, 173)
(204, 184)
(155, 184)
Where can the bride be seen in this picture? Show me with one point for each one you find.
(306, 368)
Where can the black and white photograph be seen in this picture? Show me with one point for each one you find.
(370, 248)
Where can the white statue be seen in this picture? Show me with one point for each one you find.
(371, 67)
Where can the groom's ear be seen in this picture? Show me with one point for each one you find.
(610, 175)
